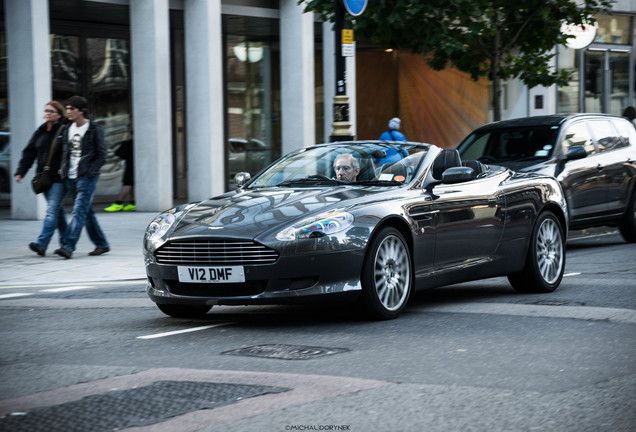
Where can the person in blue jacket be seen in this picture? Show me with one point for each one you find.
(393, 134)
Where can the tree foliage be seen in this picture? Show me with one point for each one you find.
(499, 39)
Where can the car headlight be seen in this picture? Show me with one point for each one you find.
(161, 225)
(317, 226)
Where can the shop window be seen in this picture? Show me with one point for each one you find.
(4, 101)
(613, 29)
(253, 109)
(569, 95)
(98, 69)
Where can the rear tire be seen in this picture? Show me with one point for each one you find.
(387, 280)
(183, 311)
(628, 224)
(545, 262)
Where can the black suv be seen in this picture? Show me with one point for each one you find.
(592, 155)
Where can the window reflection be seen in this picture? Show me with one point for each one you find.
(253, 109)
(578, 135)
(612, 29)
(569, 95)
(106, 63)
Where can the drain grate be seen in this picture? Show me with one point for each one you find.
(286, 352)
(134, 407)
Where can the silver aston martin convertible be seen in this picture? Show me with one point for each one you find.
(367, 222)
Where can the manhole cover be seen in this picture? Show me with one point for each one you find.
(123, 409)
(286, 352)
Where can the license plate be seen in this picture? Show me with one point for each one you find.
(219, 274)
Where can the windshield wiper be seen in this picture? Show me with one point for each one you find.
(379, 183)
(311, 182)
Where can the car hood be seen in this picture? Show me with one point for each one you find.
(251, 213)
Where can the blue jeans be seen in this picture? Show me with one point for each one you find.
(82, 190)
(54, 217)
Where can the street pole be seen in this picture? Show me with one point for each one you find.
(340, 122)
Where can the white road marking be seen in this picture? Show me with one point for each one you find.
(6, 296)
(176, 332)
(572, 274)
(622, 316)
(589, 236)
(124, 282)
(67, 288)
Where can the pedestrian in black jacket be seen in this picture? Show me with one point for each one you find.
(84, 154)
(38, 150)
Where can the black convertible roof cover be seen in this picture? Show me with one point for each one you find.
(546, 120)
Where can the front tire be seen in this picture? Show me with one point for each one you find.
(387, 280)
(628, 224)
(183, 311)
(545, 262)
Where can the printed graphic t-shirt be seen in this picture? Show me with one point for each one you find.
(75, 136)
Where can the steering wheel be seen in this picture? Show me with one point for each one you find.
(318, 177)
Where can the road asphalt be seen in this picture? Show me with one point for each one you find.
(312, 402)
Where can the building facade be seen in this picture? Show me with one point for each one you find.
(215, 87)
(209, 87)
(603, 72)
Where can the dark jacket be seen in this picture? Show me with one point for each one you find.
(38, 149)
(93, 155)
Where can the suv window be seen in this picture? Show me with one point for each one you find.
(627, 132)
(509, 143)
(476, 146)
(577, 134)
(607, 138)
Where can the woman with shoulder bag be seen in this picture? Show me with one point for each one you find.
(44, 148)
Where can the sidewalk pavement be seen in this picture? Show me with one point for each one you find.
(21, 266)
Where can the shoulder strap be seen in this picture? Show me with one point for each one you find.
(48, 161)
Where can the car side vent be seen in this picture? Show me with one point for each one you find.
(215, 252)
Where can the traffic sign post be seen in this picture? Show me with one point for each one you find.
(340, 124)
(355, 7)
(345, 47)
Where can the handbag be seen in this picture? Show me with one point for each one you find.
(42, 181)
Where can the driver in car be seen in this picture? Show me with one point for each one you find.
(347, 167)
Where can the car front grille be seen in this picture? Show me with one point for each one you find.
(215, 252)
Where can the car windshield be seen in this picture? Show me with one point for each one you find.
(363, 163)
(510, 144)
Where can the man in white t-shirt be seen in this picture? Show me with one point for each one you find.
(75, 135)
(84, 154)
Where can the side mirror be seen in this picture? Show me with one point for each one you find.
(575, 152)
(458, 175)
(240, 179)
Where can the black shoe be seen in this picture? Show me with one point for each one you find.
(37, 249)
(99, 251)
(65, 253)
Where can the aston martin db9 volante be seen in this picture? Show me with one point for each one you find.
(367, 222)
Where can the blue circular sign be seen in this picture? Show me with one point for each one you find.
(355, 7)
